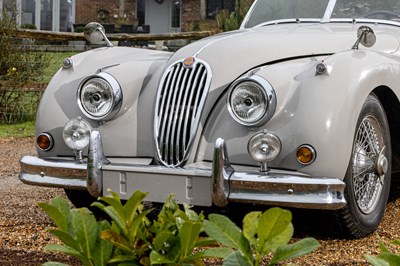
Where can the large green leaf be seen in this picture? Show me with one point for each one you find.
(157, 258)
(117, 240)
(67, 250)
(161, 239)
(396, 242)
(383, 248)
(133, 203)
(300, 248)
(134, 225)
(86, 230)
(124, 260)
(53, 263)
(119, 220)
(222, 229)
(205, 241)
(236, 259)
(114, 202)
(188, 233)
(56, 215)
(392, 259)
(376, 261)
(250, 226)
(103, 249)
(66, 238)
(220, 252)
(274, 229)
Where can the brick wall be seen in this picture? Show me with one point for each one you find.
(92, 10)
(193, 13)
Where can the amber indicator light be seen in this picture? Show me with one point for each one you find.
(44, 142)
(305, 155)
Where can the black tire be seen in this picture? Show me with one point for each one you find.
(368, 176)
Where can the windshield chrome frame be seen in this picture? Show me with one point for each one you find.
(325, 19)
(328, 12)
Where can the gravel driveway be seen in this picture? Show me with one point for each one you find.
(23, 235)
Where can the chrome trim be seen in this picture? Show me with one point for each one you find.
(180, 100)
(96, 159)
(53, 173)
(274, 188)
(269, 93)
(226, 185)
(116, 91)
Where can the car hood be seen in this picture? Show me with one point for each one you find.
(239, 51)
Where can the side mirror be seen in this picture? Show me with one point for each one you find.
(365, 36)
(94, 32)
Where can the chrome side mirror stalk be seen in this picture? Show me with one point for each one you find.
(365, 36)
(95, 32)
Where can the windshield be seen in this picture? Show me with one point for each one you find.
(264, 11)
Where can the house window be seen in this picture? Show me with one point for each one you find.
(176, 14)
(53, 15)
(213, 7)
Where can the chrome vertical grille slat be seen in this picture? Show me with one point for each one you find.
(181, 96)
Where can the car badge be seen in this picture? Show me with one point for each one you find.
(189, 62)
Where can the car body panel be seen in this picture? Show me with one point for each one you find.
(319, 109)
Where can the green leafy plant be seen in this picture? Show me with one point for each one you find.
(79, 231)
(386, 258)
(128, 232)
(174, 237)
(263, 234)
(176, 234)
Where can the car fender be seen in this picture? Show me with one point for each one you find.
(132, 68)
(318, 110)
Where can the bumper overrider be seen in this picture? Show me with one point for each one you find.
(219, 184)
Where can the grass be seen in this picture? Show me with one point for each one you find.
(26, 129)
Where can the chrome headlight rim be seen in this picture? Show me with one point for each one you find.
(116, 93)
(270, 99)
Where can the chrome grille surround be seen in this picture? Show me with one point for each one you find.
(180, 100)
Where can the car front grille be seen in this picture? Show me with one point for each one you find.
(180, 100)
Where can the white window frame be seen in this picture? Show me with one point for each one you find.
(56, 13)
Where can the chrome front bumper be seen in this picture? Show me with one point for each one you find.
(218, 184)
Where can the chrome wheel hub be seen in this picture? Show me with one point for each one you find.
(369, 164)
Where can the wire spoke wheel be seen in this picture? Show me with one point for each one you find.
(368, 175)
(367, 184)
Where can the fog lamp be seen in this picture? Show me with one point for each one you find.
(76, 135)
(264, 147)
(306, 154)
(44, 141)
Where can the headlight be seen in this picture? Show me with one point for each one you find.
(100, 96)
(76, 134)
(251, 101)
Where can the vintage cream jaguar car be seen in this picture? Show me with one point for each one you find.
(297, 108)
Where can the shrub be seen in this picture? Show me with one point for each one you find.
(19, 65)
(173, 237)
(228, 21)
